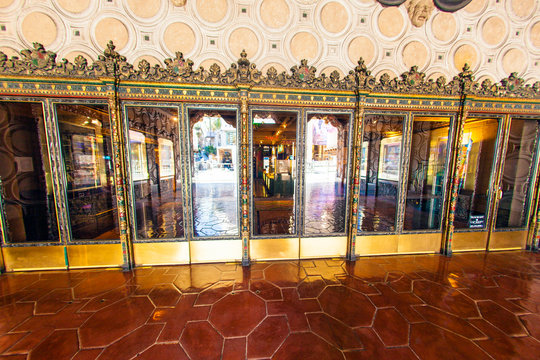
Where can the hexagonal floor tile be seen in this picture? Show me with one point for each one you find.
(349, 306)
(238, 313)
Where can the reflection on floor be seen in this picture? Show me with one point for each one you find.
(325, 208)
(470, 306)
(215, 202)
(160, 218)
(215, 209)
(377, 214)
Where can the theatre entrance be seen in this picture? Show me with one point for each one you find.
(495, 200)
(409, 199)
(300, 180)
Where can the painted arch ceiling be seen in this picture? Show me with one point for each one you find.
(496, 37)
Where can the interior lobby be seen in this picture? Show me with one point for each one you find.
(269, 179)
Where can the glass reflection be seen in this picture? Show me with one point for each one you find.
(155, 171)
(517, 174)
(477, 159)
(379, 173)
(274, 172)
(427, 172)
(26, 174)
(86, 146)
(326, 174)
(214, 173)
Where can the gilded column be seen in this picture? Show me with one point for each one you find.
(120, 179)
(58, 172)
(358, 127)
(457, 160)
(244, 153)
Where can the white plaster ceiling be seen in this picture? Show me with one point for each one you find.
(495, 37)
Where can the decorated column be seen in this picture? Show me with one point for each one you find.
(357, 158)
(245, 76)
(457, 161)
(114, 62)
(244, 191)
(362, 78)
(120, 179)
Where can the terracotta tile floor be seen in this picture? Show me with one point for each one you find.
(474, 305)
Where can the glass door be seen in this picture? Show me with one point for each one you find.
(326, 184)
(30, 240)
(274, 184)
(156, 185)
(516, 185)
(379, 186)
(214, 174)
(88, 165)
(426, 184)
(477, 158)
(402, 183)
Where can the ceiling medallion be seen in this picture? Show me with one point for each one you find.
(419, 11)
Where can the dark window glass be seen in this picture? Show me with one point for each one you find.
(380, 173)
(274, 172)
(86, 145)
(214, 167)
(427, 171)
(517, 174)
(477, 159)
(26, 174)
(155, 171)
(326, 174)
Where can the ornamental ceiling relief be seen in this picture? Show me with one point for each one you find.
(496, 37)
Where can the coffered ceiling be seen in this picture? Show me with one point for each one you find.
(496, 37)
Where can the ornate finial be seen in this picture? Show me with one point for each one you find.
(109, 51)
(466, 78)
(466, 72)
(361, 69)
(243, 61)
(362, 74)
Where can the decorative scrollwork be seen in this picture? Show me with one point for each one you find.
(40, 62)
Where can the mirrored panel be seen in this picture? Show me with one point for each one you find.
(214, 169)
(517, 177)
(380, 166)
(26, 174)
(427, 173)
(86, 146)
(477, 159)
(274, 172)
(155, 171)
(326, 173)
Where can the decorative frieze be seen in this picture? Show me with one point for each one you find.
(40, 62)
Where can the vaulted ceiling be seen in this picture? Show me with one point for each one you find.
(496, 37)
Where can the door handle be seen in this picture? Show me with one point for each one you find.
(499, 194)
